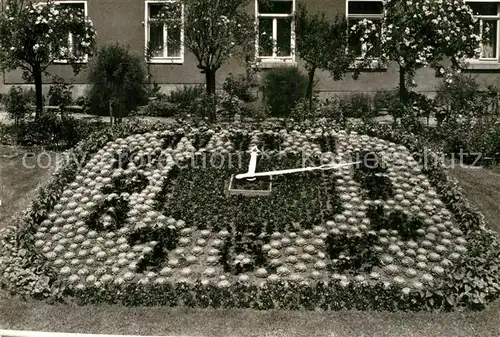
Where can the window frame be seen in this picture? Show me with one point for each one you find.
(481, 60)
(70, 36)
(163, 59)
(363, 16)
(275, 16)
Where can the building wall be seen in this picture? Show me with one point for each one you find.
(122, 21)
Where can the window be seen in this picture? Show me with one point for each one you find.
(358, 10)
(275, 39)
(488, 14)
(73, 44)
(165, 44)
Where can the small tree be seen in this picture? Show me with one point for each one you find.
(33, 35)
(16, 105)
(421, 33)
(117, 78)
(323, 45)
(214, 31)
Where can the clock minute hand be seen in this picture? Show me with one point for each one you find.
(296, 170)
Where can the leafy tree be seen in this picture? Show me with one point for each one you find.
(422, 33)
(323, 44)
(33, 35)
(16, 105)
(214, 31)
(117, 78)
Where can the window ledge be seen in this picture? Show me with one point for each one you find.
(374, 65)
(85, 61)
(166, 60)
(276, 63)
(67, 62)
(482, 65)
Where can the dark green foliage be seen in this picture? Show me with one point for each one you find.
(60, 93)
(352, 254)
(282, 88)
(116, 76)
(463, 96)
(16, 104)
(241, 142)
(161, 108)
(116, 207)
(357, 106)
(184, 96)
(167, 239)
(199, 193)
(370, 174)
(406, 226)
(240, 87)
(386, 99)
(127, 185)
(55, 132)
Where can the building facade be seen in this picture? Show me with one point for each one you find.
(127, 22)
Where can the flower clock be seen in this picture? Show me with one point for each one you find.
(140, 220)
(153, 209)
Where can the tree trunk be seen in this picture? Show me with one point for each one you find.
(37, 74)
(111, 112)
(210, 85)
(310, 83)
(403, 93)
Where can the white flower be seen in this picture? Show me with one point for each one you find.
(12, 48)
(36, 46)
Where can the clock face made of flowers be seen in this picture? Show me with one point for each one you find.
(169, 219)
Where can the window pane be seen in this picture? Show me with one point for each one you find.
(266, 37)
(174, 42)
(156, 40)
(483, 8)
(74, 6)
(365, 7)
(284, 37)
(354, 42)
(275, 6)
(76, 47)
(154, 10)
(489, 50)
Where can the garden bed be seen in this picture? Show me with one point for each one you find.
(142, 223)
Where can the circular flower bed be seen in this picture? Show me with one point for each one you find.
(152, 211)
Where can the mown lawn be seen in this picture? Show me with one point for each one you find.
(18, 185)
(482, 188)
(20, 176)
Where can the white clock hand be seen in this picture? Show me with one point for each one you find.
(254, 174)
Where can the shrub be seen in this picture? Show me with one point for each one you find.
(185, 95)
(239, 87)
(357, 105)
(463, 98)
(16, 104)
(81, 101)
(282, 88)
(30, 96)
(116, 76)
(386, 99)
(231, 105)
(161, 108)
(303, 111)
(60, 93)
(56, 132)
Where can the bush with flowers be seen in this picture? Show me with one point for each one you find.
(422, 33)
(34, 35)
